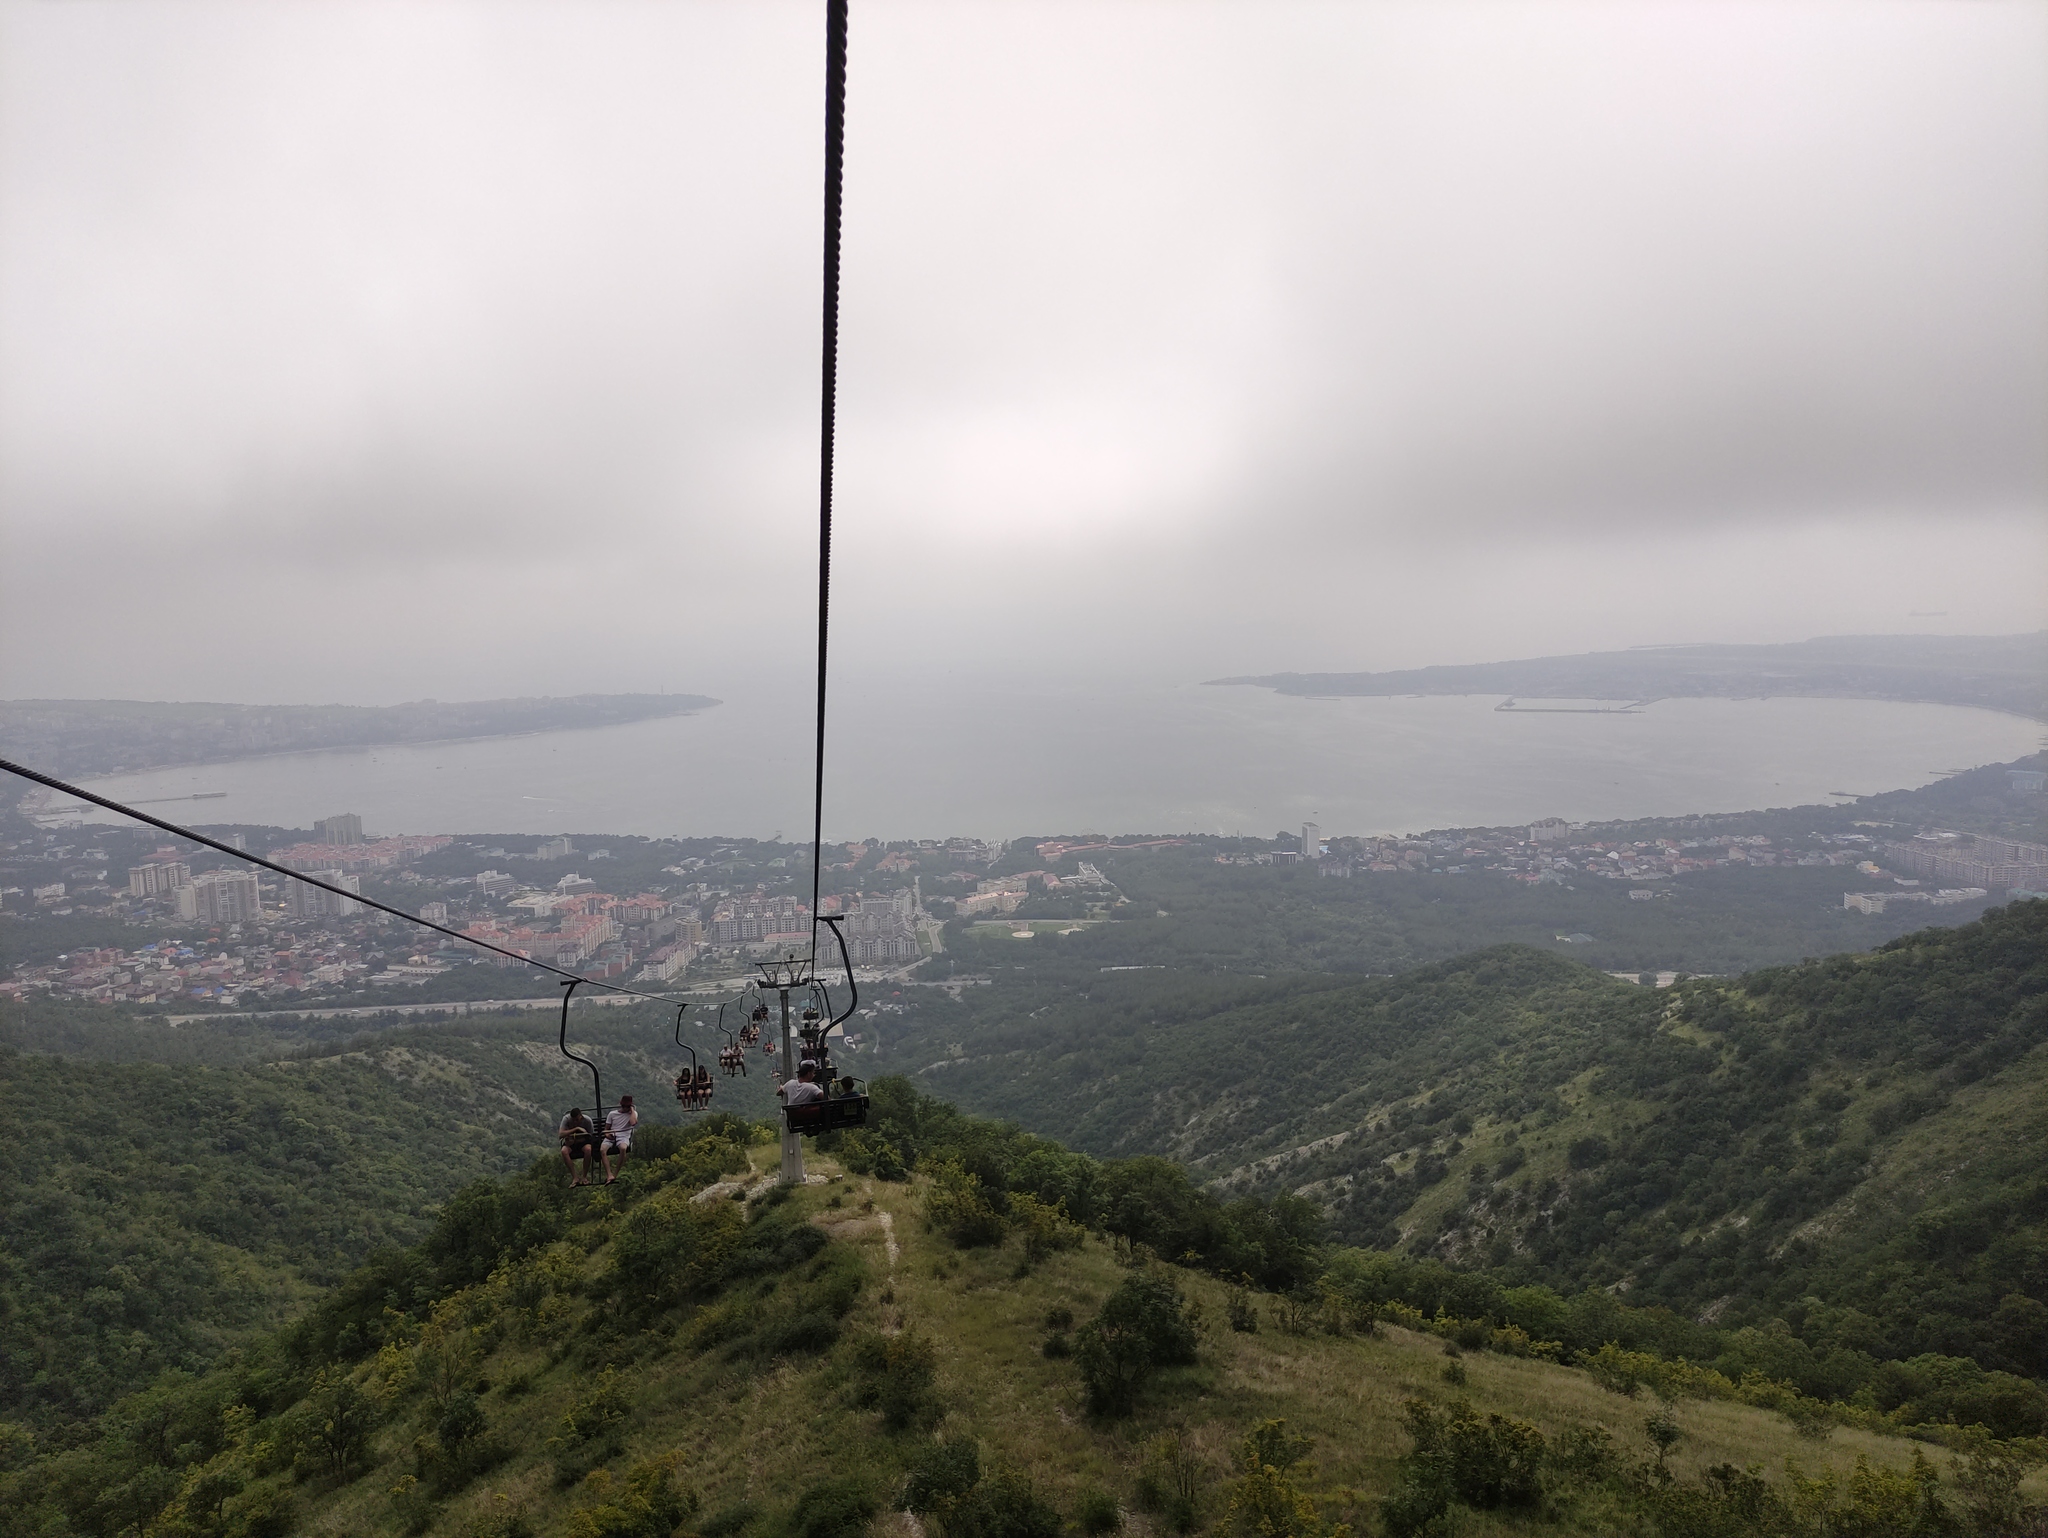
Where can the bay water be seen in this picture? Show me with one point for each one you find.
(999, 760)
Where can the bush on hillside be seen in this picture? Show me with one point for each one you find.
(894, 1374)
(865, 1154)
(592, 1429)
(1044, 1225)
(1144, 1325)
(958, 1205)
(1097, 1513)
(1486, 1464)
(802, 1314)
(833, 1508)
(1006, 1504)
(940, 1475)
(649, 1503)
(1170, 1480)
(1265, 1502)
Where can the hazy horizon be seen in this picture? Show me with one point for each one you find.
(460, 350)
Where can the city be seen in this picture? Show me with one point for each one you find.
(670, 914)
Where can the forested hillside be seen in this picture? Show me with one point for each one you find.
(927, 1329)
(158, 1211)
(1725, 1148)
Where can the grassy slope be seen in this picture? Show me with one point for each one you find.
(758, 1435)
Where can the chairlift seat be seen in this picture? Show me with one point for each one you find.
(815, 1116)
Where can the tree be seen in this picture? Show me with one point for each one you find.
(1145, 1325)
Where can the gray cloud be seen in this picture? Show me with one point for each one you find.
(1206, 337)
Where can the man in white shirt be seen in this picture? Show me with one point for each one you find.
(619, 1123)
(804, 1089)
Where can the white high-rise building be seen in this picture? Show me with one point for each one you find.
(158, 877)
(220, 897)
(1311, 841)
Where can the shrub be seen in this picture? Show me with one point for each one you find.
(1004, 1505)
(1045, 1226)
(669, 1248)
(958, 1206)
(1238, 1309)
(270, 1513)
(592, 1430)
(1144, 1325)
(1097, 1513)
(330, 1433)
(1663, 1431)
(895, 1375)
(1589, 1152)
(650, 1504)
(1170, 1482)
(1486, 1464)
(413, 1506)
(941, 1473)
(833, 1508)
(729, 1521)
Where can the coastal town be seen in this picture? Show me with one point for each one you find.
(220, 934)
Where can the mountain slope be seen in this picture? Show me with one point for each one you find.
(159, 1212)
(1725, 1149)
(646, 1360)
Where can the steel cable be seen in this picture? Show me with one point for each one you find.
(835, 160)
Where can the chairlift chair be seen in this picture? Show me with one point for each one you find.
(732, 1057)
(693, 1084)
(596, 1079)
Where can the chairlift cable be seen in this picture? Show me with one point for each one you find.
(835, 161)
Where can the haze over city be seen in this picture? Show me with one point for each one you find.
(364, 353)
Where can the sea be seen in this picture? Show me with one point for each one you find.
(998, 761)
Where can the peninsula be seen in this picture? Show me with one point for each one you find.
(87, 737)
(2008, 673)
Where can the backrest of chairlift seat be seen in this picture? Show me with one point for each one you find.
(827, 1115)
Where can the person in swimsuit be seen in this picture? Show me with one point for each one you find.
(575, 1133)
(619, 1123)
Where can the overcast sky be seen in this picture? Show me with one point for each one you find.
(370, 351)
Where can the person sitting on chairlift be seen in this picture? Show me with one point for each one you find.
(703, 1085)
(619, 1123)
(575, 1133)
(842, 1089)
(804, 1088)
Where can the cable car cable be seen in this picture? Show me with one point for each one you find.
(835, 162)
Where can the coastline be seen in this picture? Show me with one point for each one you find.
(372, 747)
